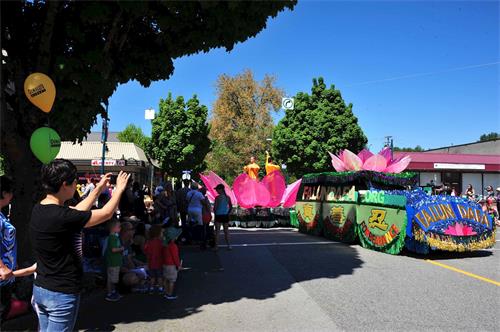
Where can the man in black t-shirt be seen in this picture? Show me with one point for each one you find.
(55, 232)
(181, 200)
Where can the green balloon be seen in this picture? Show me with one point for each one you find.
(45, 144)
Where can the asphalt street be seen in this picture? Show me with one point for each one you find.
(282, 280)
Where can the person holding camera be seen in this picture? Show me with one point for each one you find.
(56, 236)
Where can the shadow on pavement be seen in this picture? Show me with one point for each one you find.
(445, 255)
(224, 277)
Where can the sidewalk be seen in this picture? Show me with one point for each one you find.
(99, 315)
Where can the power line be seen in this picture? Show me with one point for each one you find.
(426, 74)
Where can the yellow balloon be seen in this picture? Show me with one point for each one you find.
(41, 91)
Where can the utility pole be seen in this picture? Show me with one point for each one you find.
(104, 136)
(389, 142)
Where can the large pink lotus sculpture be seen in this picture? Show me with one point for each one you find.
(272, 191)
(266, 193)
(367, 161)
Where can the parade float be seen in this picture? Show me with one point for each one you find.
(369, 198)
(257, 203)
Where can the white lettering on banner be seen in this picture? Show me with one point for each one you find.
(458, 166)
(107, 162)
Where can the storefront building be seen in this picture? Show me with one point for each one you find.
(128, 157)
(458, 166)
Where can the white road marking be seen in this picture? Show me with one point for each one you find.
(281, 244)
(263, 233)
(271, 229)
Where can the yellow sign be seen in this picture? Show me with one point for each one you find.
(337, 214)
(308, 212)
(377, 220)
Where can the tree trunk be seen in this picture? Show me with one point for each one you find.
(24, 171)
(18, 121)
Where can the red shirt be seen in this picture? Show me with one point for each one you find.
(153, 251)
(171, 255)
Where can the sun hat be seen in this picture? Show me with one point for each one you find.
(172, 233)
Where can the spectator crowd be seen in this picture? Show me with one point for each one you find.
(127, 233)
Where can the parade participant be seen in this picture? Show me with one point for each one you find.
(222, 209)
(270, 167)
(171, 261)
(8, 249)
(252, 169)
(56, 237)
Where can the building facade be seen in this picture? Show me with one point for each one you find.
(87, 157)
(476, 163)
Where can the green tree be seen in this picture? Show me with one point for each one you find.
(88, 48)
(490, 136)
(241, 121)
(134, 134)
(320, 122)
(179, 139)
(418, 148)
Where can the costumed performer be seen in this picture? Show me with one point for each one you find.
(252, 169)
(270, 167)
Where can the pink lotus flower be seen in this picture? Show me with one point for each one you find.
(211, 180)
(367, 161)
(247, 193)
(266, 193)
(459, 230)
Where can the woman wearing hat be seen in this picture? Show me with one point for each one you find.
(222, 208)
(171, 261)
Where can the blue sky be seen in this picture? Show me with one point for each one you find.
(426, 73)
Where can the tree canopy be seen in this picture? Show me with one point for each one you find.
(490, 136)
(241, 121)
(88, 48)
(320, 122)
(418, 148)
(134, 134)
(179, 139)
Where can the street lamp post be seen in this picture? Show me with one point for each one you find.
(149, 114)
(104, 136)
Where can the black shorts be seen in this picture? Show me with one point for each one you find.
(222, 219)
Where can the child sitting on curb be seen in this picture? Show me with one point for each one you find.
(171, 261)
(113, 255)
(153, 251)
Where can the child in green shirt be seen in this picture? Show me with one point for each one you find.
(114, 250)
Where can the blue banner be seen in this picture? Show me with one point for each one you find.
(436, 213)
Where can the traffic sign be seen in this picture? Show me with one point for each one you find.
(287, 103)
